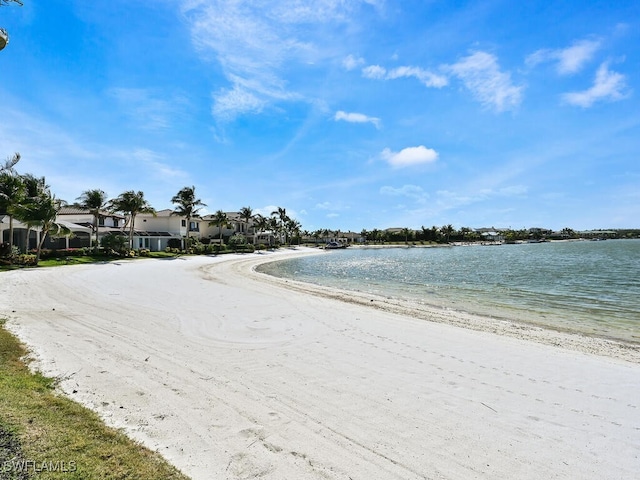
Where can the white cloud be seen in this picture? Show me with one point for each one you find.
(608, 85)
(375, 72)
(255, 42)
(356, 118)
(335, 206)
(570, 60)
(350, 62)
(481, 74)
(237, 101)
(409, 156)
(429, 79)
(266, 211)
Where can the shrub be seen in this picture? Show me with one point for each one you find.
(26, 259)
(198, 248)
(115, 244)
(143, 252)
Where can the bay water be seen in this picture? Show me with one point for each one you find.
(591, 287)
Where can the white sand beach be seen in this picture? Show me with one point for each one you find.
(234, 375)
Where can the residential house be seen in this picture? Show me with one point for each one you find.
(108, 222)
(26, 238)
(153, 232)
(235, 226)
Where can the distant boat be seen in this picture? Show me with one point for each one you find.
(335, 246)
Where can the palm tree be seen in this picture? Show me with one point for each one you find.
(274, 226)
(292, 227)
(12, 191)
(282, 218)
(131, 203)
(405, 232)
(188, 206)
(316, 235)
(94, 201)
(10, 162)
(246, 214)
(447, 231)
(220, 219)
(41, 212)
(260, 223)
(33, 188)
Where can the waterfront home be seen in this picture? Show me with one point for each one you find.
(154, 232)
(26, 238)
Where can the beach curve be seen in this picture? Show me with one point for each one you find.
(229, 374)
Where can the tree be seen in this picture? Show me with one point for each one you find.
(220, 220)
(41, 212)
(292, 228)
(10, 162)
(447, 231)
(246, 214)
(375, 235)
(11, 196)
(280, 214)
(260, 223)
(406, 232)
(94, 201)
(33, 188)
(187, 206)
(131, 203)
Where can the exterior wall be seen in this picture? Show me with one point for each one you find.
(165, 222)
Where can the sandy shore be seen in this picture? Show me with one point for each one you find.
(233, 375)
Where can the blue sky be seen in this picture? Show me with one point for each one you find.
(350, 114)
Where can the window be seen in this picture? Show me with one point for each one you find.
(184, 223)
(101, 221)
(116, 222)
(194, 226)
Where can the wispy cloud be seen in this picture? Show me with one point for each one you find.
(426, 77)
(481, 74)
(569, 60)
(155, 163)
(447, 199)
(147, 109)
(409, 156)
(351, 63)
(410, 191)
(255, 42)
(607, 85)
(356, 118)
(332, 208)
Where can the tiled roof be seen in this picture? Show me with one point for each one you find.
(71, 210)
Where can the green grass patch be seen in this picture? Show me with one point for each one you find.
(83, 259)
(44, 435)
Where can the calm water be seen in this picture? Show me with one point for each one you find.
(592, 287)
